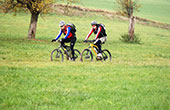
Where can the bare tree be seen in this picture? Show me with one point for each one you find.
(127, 8)
(35, 7)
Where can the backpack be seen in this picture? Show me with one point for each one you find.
(73, 27)
(104, 29)
(103, 26)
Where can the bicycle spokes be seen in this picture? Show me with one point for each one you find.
(76, 54)
(57, 55)
(106, 55)
(86, 55)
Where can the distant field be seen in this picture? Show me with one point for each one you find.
(138, 77)
(157, 10)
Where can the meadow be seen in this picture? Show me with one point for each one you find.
(137, 78)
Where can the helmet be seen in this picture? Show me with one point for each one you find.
(93, 23)
(62, 23)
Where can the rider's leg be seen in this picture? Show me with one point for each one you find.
(72, 43)
(98, 43)
(63, 44)
(65, 41)
(99, 54)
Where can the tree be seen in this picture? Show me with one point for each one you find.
(35, 7)
(127, 8)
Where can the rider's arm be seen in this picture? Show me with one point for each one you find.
(89, 34)
(68, 32)
(98, 32)
(58, 36)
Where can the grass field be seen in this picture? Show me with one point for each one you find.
(138, 77)
(157, 10)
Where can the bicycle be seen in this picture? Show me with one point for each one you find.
(57, 54)
(87, 55)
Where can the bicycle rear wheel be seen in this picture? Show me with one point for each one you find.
(57, 56)
(106, 55)
(86, 55)
(76, 55)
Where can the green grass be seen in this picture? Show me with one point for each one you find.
(136, 79)
(157, 10)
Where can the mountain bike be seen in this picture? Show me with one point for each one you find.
(87, 55)
(57, 54)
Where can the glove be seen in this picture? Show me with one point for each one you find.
(53, 40)
(61, 40)
(85, 41)
(93, 40)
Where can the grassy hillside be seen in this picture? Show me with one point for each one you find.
(136, 79)
(157, 10)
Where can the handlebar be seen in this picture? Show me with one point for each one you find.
(64, 46)
(91, 41)
(56, 41)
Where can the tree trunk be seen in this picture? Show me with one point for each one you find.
(33, 26)
(131, 27)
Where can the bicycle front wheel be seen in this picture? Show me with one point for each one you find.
(57, 56)
(106, 55)
(86, 55)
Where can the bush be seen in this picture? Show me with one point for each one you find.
(126, 38)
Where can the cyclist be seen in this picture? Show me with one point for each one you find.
(70, 36)
(100, 38)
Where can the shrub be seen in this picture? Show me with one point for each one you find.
(126, 38)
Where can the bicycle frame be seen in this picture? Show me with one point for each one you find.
(92, 48)
(64, 49)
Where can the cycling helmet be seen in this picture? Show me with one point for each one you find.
(93, 23)
(62, 23)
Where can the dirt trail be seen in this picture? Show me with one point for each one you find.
(114, 14)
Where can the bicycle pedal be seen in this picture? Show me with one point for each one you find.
(98, 58)
(87, 56)
(57, 57)
(65, 52)
(73, 59)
